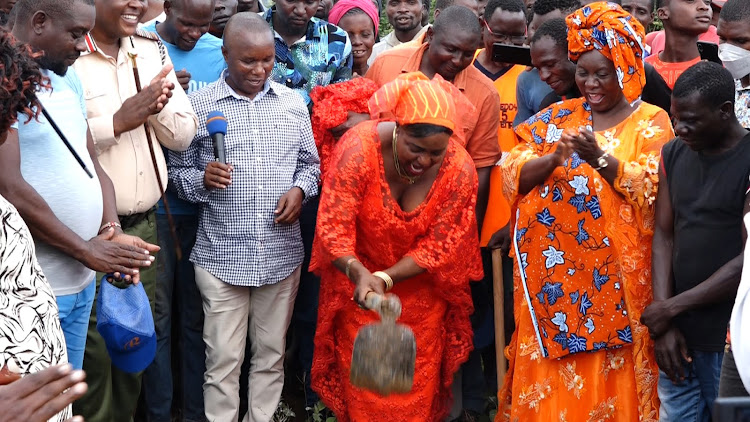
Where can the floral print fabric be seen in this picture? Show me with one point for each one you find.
(583, 278)
(742, 104)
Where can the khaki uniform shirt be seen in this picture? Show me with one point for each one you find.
(107, 83)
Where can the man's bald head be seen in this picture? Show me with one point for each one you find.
(249, 50)
(244, 24)
(456, 19)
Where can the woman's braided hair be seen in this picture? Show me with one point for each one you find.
(20, 79)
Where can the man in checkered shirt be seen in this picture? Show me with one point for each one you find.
(248, 250)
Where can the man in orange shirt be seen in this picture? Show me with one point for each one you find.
(448, 51)
(684, 22)
(440, 5)
(504, 22)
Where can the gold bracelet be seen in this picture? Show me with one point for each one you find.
(349, 263)
(386, 278)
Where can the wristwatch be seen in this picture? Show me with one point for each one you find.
(602, 162)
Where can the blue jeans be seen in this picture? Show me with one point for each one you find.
(176, 289)
(692, 400)
(75, 311)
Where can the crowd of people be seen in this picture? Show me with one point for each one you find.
(612, 175)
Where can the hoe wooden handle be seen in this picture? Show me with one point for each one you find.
(388, 306)
(373, 300)
(498, 293)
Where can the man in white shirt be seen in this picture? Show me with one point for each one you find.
(405, 16)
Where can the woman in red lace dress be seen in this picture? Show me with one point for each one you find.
(399, 198)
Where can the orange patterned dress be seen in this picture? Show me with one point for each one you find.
(358, 216)
(583, 249)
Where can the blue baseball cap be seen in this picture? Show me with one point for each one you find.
(125, 322)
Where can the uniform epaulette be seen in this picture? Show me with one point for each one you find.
(90, 44)
(147, 34)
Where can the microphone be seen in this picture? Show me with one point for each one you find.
(216, 124)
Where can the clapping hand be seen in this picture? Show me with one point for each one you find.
(151, 100)
(565, 146)
(586, 146)
(183, 77)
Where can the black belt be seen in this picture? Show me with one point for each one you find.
(132, 220)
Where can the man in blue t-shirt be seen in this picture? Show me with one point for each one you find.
(195, 53)
(198, 62)
(72, 216)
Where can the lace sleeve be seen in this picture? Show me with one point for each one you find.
(450, 249)
(342, 194)
(637, 180)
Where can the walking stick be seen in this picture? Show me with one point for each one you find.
(66, 142)
(498, 293)
(172, 230)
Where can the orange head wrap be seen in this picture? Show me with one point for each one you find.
(608, 29)
(413, 98)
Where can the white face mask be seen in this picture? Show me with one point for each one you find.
(735, 59)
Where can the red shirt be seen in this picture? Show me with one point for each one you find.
(670, 71)
(656, 40)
